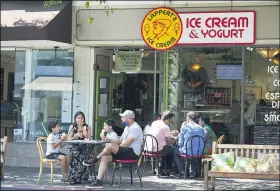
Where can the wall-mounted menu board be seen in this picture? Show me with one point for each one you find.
(229, 71)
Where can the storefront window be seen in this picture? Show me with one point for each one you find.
(12, 80)
(208, 81)
(47, 91)
(262, 95)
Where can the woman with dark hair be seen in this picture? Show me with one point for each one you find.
(210, 135)
(78, 131)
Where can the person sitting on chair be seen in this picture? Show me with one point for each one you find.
(148, 126)
(54, 143)
(108, 132)
(161, 131)
(80, 130)
(188, 129)
(129, 148)
(209, 134)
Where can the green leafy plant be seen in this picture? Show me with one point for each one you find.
(108, 10)
(50, 3)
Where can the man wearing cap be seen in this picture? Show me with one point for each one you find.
(161, 131)
(128, 148)
(189, 128)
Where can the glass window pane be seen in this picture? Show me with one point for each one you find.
(208, 81)
(12, 68)
(262, 95)
(48, 91)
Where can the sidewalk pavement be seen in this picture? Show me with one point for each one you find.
(22, 178)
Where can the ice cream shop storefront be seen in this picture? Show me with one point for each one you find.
(214, 66)
(220, 61)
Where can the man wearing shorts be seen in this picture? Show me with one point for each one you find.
(53, 148)
(128, 148)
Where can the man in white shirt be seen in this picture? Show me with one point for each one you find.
(129, 148)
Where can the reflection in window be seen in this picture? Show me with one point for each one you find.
(208, 81)
(260, 114)
(47, 92)
(12, 80)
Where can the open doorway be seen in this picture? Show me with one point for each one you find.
(134, 90)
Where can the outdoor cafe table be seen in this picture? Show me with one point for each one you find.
(91, 144)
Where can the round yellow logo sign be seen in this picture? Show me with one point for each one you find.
(161, 28)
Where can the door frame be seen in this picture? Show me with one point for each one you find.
(95, 89)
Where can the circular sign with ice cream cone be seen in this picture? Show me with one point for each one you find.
(161, 28)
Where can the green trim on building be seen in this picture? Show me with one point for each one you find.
(166, 67)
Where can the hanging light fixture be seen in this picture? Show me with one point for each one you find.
(276, 59)
(270, 53)
(196, 66)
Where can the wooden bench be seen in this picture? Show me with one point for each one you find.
(248, 151)
(4, 142)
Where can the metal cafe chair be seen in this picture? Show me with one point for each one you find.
(4, 142)
(43, 160)
(190, 156)
(120, 165)
(153, 154)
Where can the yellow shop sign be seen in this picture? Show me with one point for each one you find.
(161, 28)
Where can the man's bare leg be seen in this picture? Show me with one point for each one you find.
(102, 170)
(106, 157)
(108, 150)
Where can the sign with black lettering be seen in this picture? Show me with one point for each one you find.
(128, 61)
